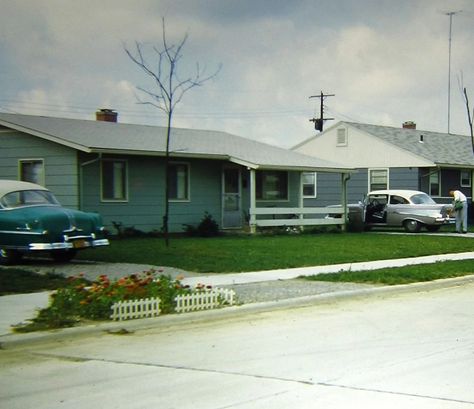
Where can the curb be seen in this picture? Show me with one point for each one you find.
(167, 322)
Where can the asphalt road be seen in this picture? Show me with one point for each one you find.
(411, 350)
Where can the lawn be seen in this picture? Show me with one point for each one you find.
(255, 253)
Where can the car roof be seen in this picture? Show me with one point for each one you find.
(7, 186)
(398, 192)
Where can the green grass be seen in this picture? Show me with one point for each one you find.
(15, 280)
(255, 253)
(402, 275)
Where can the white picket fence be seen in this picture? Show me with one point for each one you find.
(144, 308)
(204, 300)
(150, 307)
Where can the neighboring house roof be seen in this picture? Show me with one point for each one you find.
(106, 137)
(441, 148)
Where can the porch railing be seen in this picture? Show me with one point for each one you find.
(296, 216)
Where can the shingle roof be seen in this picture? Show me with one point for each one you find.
(99, 136)
(441, 148)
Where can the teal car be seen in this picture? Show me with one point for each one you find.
(32, 221)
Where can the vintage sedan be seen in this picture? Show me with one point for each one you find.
(410, 209)
(33, 221)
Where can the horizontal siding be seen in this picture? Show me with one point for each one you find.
(61, 174)
(144, 209)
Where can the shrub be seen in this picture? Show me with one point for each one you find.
(81, 299)
(208, 227)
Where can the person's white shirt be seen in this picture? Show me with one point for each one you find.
(459, 196)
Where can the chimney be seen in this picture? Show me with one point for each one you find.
(107, 115)
(409, 125)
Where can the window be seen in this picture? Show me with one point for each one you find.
(378, 179)
(308, 181)
(466, 178)
(272, 185)
(114, 180)
(178, 181)
(341, 137)
(32, 170)
(434, 183)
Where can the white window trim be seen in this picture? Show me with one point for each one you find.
(315, 186)
(43, 176)
(106, 200)
(470, 178)
(369, 184)
(188, 193)
(439, 183)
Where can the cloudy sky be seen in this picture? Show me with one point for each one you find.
(386, 61)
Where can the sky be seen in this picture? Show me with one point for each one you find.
(385, 62)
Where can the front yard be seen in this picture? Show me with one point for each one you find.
(244, 253)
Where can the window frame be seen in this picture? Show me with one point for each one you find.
(387, 176)
(125, 197)
(259, 192)
(469, 173)
(188, 181)
(42, 176)
(314, 185)
(438, 183)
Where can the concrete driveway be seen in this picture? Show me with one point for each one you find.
(411, 350)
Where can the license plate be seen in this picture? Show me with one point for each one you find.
(78, 244)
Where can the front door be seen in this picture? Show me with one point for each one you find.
(231, 198)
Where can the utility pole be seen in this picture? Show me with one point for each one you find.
(450, 14)
(319, 122)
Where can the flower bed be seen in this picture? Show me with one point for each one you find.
(81, 299)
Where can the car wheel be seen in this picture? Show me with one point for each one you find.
(412, 226)
(63, 256)
(8, 257)
(432, 228)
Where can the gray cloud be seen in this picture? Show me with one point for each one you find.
(385, 61)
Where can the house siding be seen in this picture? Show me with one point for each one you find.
(60, 163)
(144, 208)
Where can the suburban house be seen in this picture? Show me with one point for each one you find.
(118, 170)
(393, 158)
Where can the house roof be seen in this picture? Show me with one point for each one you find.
(107, 137)
(441, 148)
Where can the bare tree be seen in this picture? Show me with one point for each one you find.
(169, 91)
(469, 116)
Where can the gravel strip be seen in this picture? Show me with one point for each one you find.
(286, 289)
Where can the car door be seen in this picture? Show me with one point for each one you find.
(396, 210)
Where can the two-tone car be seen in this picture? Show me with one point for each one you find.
(410, 209)
(32, 221)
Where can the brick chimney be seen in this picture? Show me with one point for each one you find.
(409, 125)
(107, 115)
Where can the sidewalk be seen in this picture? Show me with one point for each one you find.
(18, 308)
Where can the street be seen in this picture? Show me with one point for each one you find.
(412, 350)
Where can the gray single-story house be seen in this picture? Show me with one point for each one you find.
(393, 158)
(118, 171)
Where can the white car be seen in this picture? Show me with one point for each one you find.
(410, 209)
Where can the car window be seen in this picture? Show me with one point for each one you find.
(378, 199)
(422, 198)
(28, 198)
(394, 199)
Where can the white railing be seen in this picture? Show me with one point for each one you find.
(204, 300)
(144, 308)
(296, 216)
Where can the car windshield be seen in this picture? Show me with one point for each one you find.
(23, 198)
(422, 198)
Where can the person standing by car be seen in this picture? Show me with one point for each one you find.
(460, 207)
